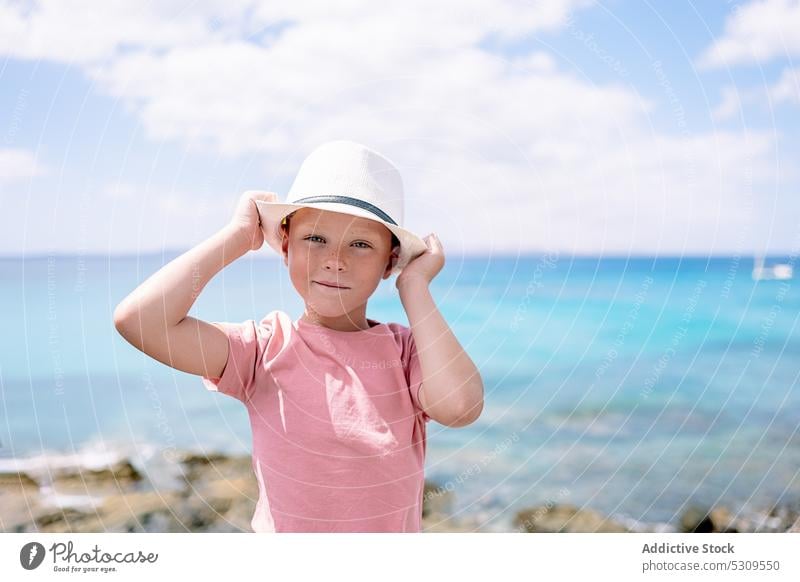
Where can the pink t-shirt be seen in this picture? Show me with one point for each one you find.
(338, 430)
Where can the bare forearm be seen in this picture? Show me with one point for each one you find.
(451, 380)
(166, 297)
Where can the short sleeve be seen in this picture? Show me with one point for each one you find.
(247, 344)
(414, 376)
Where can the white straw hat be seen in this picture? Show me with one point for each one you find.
(350, 178)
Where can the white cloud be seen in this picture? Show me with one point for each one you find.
(755, 33)
(84, 31)
(121, 217)
(730, 106)
(242, 97)
(788, 87)
(18, 164)
(496, 154)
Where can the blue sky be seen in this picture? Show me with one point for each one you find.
(620, 128)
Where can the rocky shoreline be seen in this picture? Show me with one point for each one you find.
(218, 492)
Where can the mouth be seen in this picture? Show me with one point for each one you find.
(330, 285)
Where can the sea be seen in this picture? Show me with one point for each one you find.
(633, 386)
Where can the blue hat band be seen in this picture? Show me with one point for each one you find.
(352, 202)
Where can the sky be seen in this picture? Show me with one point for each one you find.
(615, 128)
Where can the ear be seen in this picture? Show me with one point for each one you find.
(285, 247)
(393, 258)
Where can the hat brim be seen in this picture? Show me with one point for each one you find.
(272, 214)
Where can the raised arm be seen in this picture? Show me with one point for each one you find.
(153, 318)
(452, 389)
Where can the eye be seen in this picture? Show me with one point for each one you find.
(314, 236)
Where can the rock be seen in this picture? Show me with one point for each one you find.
(787, 516)
(18, 508)
(220, 496)
(699, 520)
(696, 520)
(190, 460)
(150, 511)
(231, 502)
(19, 502)
(564, 518)
(128, 512)
(436, 499)
(242, 487)
(17, 481)
(723, 520)
(215, 466)
(439, 523)
(237, 519)
(224, 505)
(780, 518)
(120, 475)
(790, 516)
(795, 528)
(66, 519)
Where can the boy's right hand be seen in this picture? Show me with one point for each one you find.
(245, 221)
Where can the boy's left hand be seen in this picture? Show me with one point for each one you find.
(424, 267)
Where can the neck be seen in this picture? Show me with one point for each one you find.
(354, 321)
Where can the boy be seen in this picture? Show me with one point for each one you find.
(337, 402)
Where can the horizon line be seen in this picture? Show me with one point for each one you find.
(261, 256)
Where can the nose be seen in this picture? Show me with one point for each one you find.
(334, 262)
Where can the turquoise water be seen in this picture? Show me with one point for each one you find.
(632, 386)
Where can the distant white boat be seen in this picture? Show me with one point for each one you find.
(781, 271)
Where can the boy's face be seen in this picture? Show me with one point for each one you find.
(352, 252)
